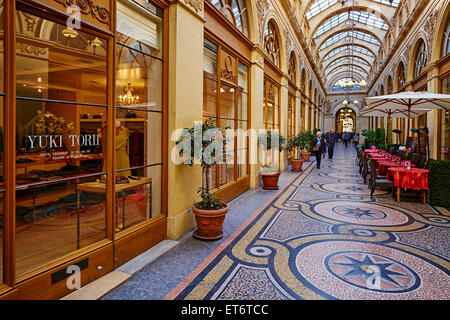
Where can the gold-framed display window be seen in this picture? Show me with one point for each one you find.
(61, 113)
(139, 114)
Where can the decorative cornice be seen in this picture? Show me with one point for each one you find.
(87, 7)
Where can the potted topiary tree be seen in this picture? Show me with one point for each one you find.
(210, 212)
(306, 139)
(269, 140)
(296, 143)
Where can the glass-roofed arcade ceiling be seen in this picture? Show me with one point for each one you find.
(349, 36)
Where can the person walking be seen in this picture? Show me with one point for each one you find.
(345, 138)
(331, 139)
(319, 147)
(356, 140)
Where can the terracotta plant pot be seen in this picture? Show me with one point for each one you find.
(297, 164)
(209, 222)
(270, 180)
(306, 155)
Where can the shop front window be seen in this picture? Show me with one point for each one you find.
(2, 126)
(225, 100)
(446, 40)
(139, 114)
(243, 122)
(61, 112)
(445, 123)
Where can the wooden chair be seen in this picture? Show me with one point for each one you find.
(375, 182)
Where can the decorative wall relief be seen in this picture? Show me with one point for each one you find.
(262, 7)
(429, 28)
(197, 5)
(87, 7)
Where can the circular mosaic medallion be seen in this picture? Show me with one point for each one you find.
(344, 175)
(361, 213)
(372, 271)
(350, 188)
(358, 270)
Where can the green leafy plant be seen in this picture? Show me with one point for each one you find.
(209, 201)
(265, 139)
(49, 124)
(301, 142)
(198, 149)
(439, 183)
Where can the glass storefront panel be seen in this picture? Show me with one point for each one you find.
(61, 116)
(445, 123)
(58, 63)
(2, 157)
(139, 114)
(56, 141)
(55, 219)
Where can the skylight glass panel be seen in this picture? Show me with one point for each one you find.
(353, 34)
(357, 16)
(349, 48)
(348, 68)
(387, 2)
(347, 60)
(319, 6)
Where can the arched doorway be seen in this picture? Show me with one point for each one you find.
(345, 120)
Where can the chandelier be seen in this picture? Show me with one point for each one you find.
(129, 98)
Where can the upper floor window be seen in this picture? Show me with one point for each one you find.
(272, 43)
(235, 11)
(446, 39)
(421, 59)
(401, 75)
(292, 69)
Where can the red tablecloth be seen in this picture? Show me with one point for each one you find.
(384, 165)
(366, 151)
(415, 179)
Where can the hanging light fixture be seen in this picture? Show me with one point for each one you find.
(69, 33)
(356, 102)
(129, 98)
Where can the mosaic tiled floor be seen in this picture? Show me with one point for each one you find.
(323, 238)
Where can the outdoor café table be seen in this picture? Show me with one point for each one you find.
(384, 165)
(377, 158)
(366, 151)
(414, 179)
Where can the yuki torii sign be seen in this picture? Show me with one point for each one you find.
(411, 103)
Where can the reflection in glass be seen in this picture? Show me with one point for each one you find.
(55, 219)
(50, 65)
(139, 114)
(56, 141)
(60, 133)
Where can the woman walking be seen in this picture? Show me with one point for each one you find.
(319, 147)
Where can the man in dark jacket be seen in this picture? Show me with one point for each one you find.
(319, 147)
(331, 139)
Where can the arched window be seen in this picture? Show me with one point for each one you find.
(446, 39)
(292, 71)
(389, 85)
(401, 75)
(421, 59)
(381, 90)
(272, 43)
(235, 11)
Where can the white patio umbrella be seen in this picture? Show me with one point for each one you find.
(411, 103)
